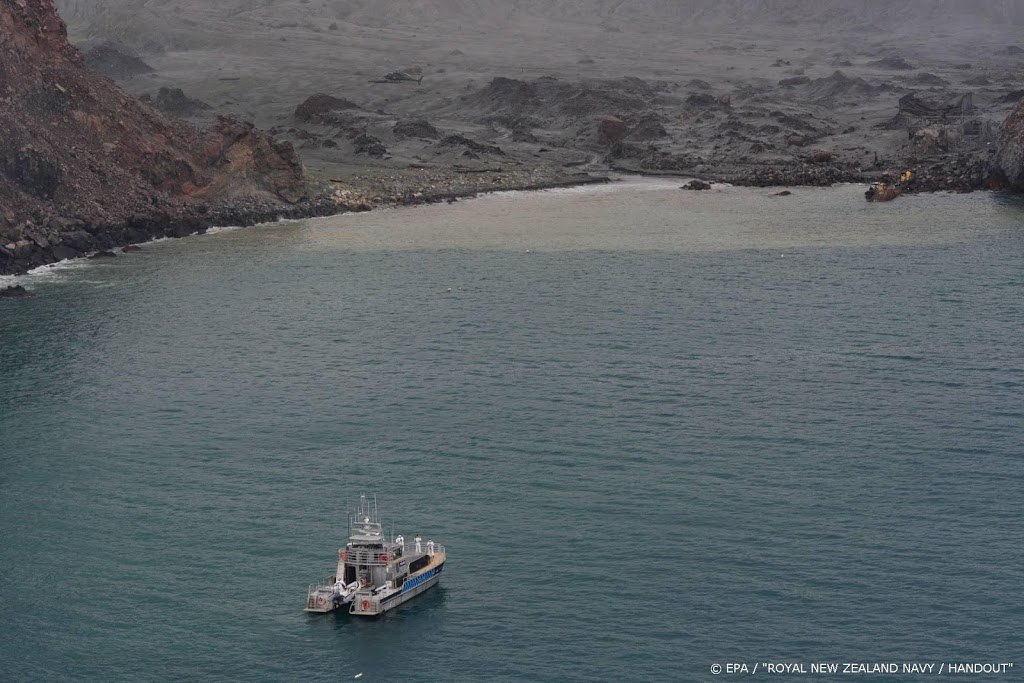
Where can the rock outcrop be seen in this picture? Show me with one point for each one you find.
(315, 107)
(611, 129)
(1008, 171)
(79, 157)
(419, 128)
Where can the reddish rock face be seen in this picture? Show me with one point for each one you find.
(73, 146)
(611, 130)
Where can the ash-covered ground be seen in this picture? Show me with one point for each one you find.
(495, 92)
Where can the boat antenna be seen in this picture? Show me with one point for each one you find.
(376, 515)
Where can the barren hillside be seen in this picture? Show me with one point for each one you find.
(84, 166)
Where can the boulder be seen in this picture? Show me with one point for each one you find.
(367, 144)
(62, 252)
(316, 106)
(696, 185)
(15, 292)
(700, 100)
(610, 130)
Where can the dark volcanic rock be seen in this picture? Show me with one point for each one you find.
(895, 62)
(838, 85)
(916, 104)
(419, 128)
(547, 100)
(817, 176)
(115, 61)
(364, 143)
(696, 185)
(62, 252)
(174, 101)
(701, 100)
(472, 145)
(315, 107)
(15, 292)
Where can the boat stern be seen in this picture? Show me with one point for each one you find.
(320, 599)
(366, 605)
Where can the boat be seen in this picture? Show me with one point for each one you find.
(374, 574)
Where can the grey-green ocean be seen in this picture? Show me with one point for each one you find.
(656, 430)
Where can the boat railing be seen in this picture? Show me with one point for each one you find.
(435, 549)
(365, 556)
(380, 558)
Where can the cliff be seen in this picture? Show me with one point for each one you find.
(84, 166)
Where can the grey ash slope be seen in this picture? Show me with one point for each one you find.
(802, 79)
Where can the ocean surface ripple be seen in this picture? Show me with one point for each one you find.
(656, 430)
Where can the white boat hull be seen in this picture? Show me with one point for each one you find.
(368, 605)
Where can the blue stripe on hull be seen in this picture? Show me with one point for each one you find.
(416, 581)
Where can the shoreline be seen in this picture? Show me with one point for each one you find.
(140, 230)
(199, 219)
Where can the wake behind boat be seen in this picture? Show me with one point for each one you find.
(373, 574)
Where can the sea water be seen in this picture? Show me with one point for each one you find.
(657, 430)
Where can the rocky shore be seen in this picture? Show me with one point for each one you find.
(74, 238)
